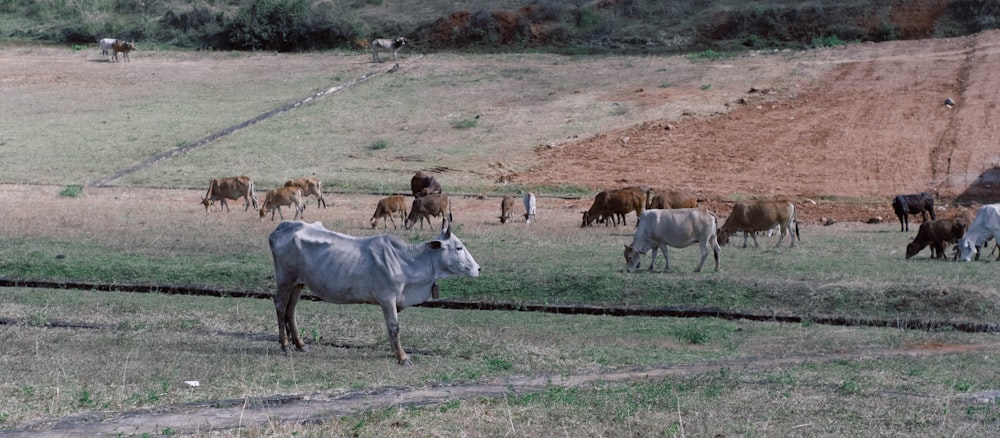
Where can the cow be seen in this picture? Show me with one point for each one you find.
(423, 184)
(506, 209)
(760, 216)
(274, 199)
(230, 188)
(106, 44)
(342, 269)
(529, 207)
(380, 44)
(424, 208)
(905, 205)
(678, 228)
(360, 45)
(667, 200)
(310, 186)
(122, 47)
(615, 202)
(937, 234)
(387, 207)
(986, 225)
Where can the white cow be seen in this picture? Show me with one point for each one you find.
(387, 45)
(679, 228)
(529, 207)
(106, 44)
(341, 269)
(986, 225)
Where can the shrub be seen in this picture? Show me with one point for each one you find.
(71, 191)
(464, 124)
(280, 25)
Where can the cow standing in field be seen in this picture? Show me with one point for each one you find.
(674, 199)
(310, 186)
(937, 234)
(106, 44)
(386, 208)
(619, 202)
(529, 207)
(506, 209)
(759, 216)
(221, 189)
(122, 47)
(678, 228)
(274, 199)
(423, 184)
(986, 225)
(905, 205)
(342, 269)
(382, 44)
(424, 208)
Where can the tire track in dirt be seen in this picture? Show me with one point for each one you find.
(944, 151)
(100, 182)
(221, 415)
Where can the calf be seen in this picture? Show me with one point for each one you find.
(424, 208)
(759, 216)
(529, 207)
(423, 184)
(382, 44)
(937, 234)
(284, 196)
(386, 208)
(667, 200)
(616, 202)
(310, 186)
(230, 188)
(506, 209)
(905, 205)
(122, 47)
(678, 228)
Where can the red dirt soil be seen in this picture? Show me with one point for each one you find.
(874, 126)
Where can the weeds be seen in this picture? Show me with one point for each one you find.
(71, 191)
(464, 124)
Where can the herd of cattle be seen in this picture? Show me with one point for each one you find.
(115, 46)
(385, 270)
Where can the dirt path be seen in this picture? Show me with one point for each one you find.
(233, 414)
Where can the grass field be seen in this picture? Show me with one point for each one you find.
(81, 355)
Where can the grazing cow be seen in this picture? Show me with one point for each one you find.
(424, 208)
(905, 205)
(506, 209)
(342, 269)
(986, 225)
(616, 202)
(230, 188)
(938, 234)
(387, 45)
(667, 200)
(678, 228)
(106, 44)
(122, 47)
(283, 196)
(386, 208)
(760, 216)
(360, 45)
(423, 184)
(310, 186)
(529, 207)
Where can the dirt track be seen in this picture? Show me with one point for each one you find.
(876, 125)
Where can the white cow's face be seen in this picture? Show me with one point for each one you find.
(632, 258)
(455, 258)
(967, 249)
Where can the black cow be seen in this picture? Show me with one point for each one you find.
(905, 205)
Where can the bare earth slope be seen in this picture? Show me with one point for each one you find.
(875, 125)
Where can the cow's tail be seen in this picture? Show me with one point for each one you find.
(253, 197)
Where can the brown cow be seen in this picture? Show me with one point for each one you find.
(616, 202)
(753, 217)
(668, 200)
(507, 209)
(310, 186)
(230, 188)
(423, 184)
(937, 234)
(122, 47)
(424, 208)
(386, 208)
(276, 198)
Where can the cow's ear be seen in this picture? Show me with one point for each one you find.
(435, 244)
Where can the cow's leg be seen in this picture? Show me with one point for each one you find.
(392, 325)
(703, 246)
(223, 205)
(652, 258)
(784, 229)
(666, 258)
(716, 252)
(285, 300)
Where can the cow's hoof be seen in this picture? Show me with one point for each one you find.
(405, 362)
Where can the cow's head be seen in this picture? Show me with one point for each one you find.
(722, 237)
(206, 202)
(912, 249)
(452, 255)
(631, 258)
(967, 249)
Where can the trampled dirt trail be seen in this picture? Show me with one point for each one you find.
(876, 125)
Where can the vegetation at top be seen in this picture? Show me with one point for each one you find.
(571, 26)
